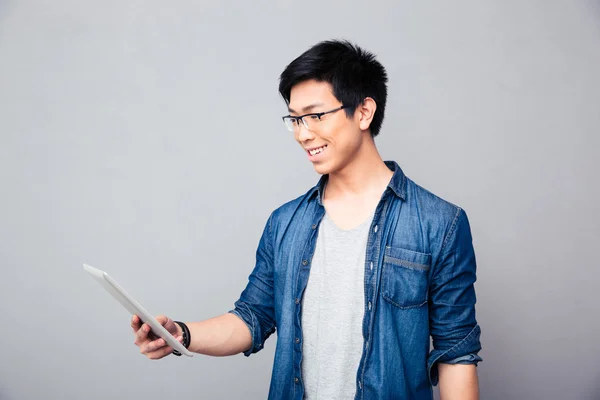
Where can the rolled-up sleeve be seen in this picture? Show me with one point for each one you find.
(256, 305)
(452, 321)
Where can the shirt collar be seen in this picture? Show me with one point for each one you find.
(397, 184)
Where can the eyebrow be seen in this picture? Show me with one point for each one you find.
(307, 108)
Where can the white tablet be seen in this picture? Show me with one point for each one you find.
(134, 307)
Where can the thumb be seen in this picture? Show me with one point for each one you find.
(162, 320)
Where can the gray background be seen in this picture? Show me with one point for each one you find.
(144, 138)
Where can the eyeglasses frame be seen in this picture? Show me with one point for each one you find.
(318, 115)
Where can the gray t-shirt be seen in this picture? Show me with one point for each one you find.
(333, 310)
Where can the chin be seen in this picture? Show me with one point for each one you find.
(324, 168)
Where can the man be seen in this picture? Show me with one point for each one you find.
(358, 273)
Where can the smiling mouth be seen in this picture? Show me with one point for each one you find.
(316, 151)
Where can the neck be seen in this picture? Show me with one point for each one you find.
(365, 175)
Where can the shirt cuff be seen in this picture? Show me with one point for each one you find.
(463, 352)
(249, 321)
(470, 358)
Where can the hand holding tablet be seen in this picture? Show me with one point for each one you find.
(144, 325)
(151, 345)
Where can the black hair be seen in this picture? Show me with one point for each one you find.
(354, 74)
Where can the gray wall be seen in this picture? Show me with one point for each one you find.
(144, 138)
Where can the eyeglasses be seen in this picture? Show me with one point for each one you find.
(310, 121)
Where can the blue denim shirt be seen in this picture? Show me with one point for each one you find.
(419, 275)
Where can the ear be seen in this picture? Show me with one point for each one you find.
(366, 112)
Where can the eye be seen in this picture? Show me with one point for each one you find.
(314, 117)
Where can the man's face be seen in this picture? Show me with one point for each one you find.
(335, 139)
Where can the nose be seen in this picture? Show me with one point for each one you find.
(303, 134)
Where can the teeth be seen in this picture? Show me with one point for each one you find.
(317, 151)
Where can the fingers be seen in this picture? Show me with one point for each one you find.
(141, 329)
(157, 344)
(158, 349)
(160, 353)
(136, 323)
(152, 346)
(141, 334)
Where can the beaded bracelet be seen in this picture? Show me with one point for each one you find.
(186, 336)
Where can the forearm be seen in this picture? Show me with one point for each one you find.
(458, 382)
(224, 335)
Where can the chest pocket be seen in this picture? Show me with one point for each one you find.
(404, 277)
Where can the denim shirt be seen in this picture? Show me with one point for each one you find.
(419, 275)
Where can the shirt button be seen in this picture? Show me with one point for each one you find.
(371, 265)
(367, 344)
(369, 305)
(359, 385)
(314, 226)
(296, 380)
(376, 228)
(297, 301)
(297, 340)
(304, 262)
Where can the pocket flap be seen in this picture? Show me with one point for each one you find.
(407, 258)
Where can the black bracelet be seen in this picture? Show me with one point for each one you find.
(186, 336)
